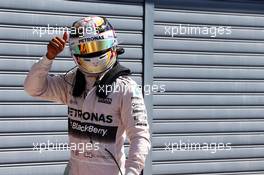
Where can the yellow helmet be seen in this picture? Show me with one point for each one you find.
(93, 44)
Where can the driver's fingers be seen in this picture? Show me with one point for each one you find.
(58, 43)
(61, 41)
(54, 45)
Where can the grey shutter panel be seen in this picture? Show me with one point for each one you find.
(214, 88)
(25, 120)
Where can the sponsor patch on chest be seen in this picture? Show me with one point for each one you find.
(101, 133)
(105, 100)
(90, 116)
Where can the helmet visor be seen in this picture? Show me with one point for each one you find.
(86, 48)
(95, 64)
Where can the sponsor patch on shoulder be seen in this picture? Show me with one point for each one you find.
(136, 91)
(139, 112)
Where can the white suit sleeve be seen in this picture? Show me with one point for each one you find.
(39, 83)
(134, 118)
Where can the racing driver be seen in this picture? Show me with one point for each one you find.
(105, 106)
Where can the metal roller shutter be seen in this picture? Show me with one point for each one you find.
(25, 120)
(214, 88)
(214, 85)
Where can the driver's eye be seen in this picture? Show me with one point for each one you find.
(87, 59)
(102, 56)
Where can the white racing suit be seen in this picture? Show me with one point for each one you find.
(97, 125)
